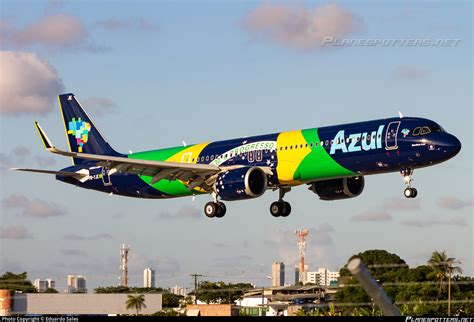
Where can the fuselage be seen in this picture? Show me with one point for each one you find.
(292, 158)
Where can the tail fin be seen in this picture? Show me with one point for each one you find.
(81, 132)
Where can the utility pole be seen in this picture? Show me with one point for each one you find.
(195, 286)
(450, 268)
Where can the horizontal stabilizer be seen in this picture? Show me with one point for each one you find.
(61, 173)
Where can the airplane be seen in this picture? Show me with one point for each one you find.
(332, 161)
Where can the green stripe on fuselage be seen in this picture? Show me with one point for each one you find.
(318, 164)
(174, 187)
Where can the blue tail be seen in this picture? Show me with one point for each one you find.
(81, 132)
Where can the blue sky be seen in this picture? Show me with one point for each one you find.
(154, 73)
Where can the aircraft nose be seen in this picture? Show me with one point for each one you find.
(452, 145)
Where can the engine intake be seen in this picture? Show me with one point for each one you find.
(336, 189)
(241, 183)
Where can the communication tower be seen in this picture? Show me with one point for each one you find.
(301, 237)
(124, 251)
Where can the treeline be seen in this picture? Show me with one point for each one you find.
(168, 299)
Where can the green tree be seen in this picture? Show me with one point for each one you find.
(441, 266)
(136, 302)
(16, 282)
(51, 290)
(171, 300)
(220, 292)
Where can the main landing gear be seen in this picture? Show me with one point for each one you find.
(214, 208)
(280, 207)
(409, 192)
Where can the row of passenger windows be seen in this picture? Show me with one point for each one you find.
(291, 147)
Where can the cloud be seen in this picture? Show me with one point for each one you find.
(33, 208)
(73, 252)
(45, 161)
(19, 155)
(14, 232)
(99, 105)
(56, 30)
(372, 216)
(399, 204)
(320, 247)
(453, 203)
(433, 221)
(409, 73)
(116, 24)
(73, 236)
(298, 27)
(185, 212)
(28, 84)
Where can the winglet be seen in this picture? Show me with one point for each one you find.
(46, 141)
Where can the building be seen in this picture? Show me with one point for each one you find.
(51, 283)
(81, 284)
(322, 277)
(178, 290)
(77, 304)
(297, 273)
(42, 285)
(149, 277)
(76, 284)
(278, 274)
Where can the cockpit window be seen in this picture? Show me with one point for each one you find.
(416, 131)
(425, 130)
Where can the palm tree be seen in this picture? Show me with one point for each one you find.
(442, 267)
(136, 302)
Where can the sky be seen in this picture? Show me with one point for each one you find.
(154, 73)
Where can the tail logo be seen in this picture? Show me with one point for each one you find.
(80, 130)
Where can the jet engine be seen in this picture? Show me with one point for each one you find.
(241, 183)
(336, 189)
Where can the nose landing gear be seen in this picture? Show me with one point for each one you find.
(409, 191)
(281, 208)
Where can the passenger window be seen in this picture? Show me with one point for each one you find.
(207, 158)
(311, 144)
(306, 145)
(212, 157)
(286, 148)
(301, 145)
(291, 147)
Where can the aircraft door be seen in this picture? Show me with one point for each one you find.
(391, 142)
(186, 158)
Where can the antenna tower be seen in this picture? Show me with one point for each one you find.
(301, 236)
(124, 251)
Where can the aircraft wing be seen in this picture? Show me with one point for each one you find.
(197, 175)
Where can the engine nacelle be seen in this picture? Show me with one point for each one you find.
(335, 189)
(241, 183)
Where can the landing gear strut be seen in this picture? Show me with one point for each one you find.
(215, 208)
(280, 207)
(409, 191)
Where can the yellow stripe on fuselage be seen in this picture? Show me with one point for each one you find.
(290, 159)
(189, 155)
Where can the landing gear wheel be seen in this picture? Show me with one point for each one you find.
(276, 208)
(221, 209)
(210, 209)
(286, 209)
(410, 192)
